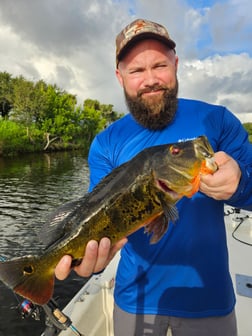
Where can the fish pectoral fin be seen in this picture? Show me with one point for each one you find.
(28, 277)
(170, 212)
(157, 228)
(159, 225)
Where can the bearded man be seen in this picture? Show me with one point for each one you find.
(182, 283)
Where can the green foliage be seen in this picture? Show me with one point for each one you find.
(248, 128)
(40, 116)
(13, 138)
(5, 93)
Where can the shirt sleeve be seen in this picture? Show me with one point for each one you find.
(234, 141)
(99, 162)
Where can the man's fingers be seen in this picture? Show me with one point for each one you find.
(96, 258)
(87, 266)
(63, 268)
(103, 255)
(223, 183)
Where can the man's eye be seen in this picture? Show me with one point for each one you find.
(135, 71)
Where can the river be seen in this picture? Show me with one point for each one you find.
(31, 186)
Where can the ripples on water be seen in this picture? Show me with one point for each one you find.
(31, 187)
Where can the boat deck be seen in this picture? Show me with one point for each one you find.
(92, 308)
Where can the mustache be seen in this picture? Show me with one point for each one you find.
(152, 88)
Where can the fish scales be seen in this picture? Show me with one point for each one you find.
(123, 213)
(140, 193)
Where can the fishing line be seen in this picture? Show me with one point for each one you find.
(240, 221)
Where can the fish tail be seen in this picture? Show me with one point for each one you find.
(29, 277)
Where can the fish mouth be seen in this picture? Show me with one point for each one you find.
(164, 186)
(211, 165)
(204, 151)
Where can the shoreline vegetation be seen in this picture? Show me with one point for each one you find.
(40, 117)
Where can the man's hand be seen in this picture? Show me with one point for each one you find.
(96, 258)
(224, 182)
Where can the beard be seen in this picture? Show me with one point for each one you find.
(156, 112)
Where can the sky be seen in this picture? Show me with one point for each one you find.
(71, 43)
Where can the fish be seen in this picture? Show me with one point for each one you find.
(142, 192)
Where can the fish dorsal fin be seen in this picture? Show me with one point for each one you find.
(58, 223)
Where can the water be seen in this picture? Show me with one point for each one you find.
(31, 187)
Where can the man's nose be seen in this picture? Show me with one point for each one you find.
(150, 78)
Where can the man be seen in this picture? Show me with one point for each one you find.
(183, 281)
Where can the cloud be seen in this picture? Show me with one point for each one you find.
(71, 44)
(56, 26)
(226, 80)
(230, 25)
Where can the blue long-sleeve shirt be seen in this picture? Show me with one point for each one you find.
(186, 273)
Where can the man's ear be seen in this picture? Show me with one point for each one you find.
(119, 76)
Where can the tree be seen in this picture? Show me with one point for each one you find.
(5, 93)
(107, 111)
(23, 101)
(59, 118)
(248, 128)
(91, 120)
(49, 115)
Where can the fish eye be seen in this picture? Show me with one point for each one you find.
(174, 150)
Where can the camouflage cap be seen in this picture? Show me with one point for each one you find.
(138, 30)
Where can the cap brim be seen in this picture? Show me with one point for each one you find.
(170, 43)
